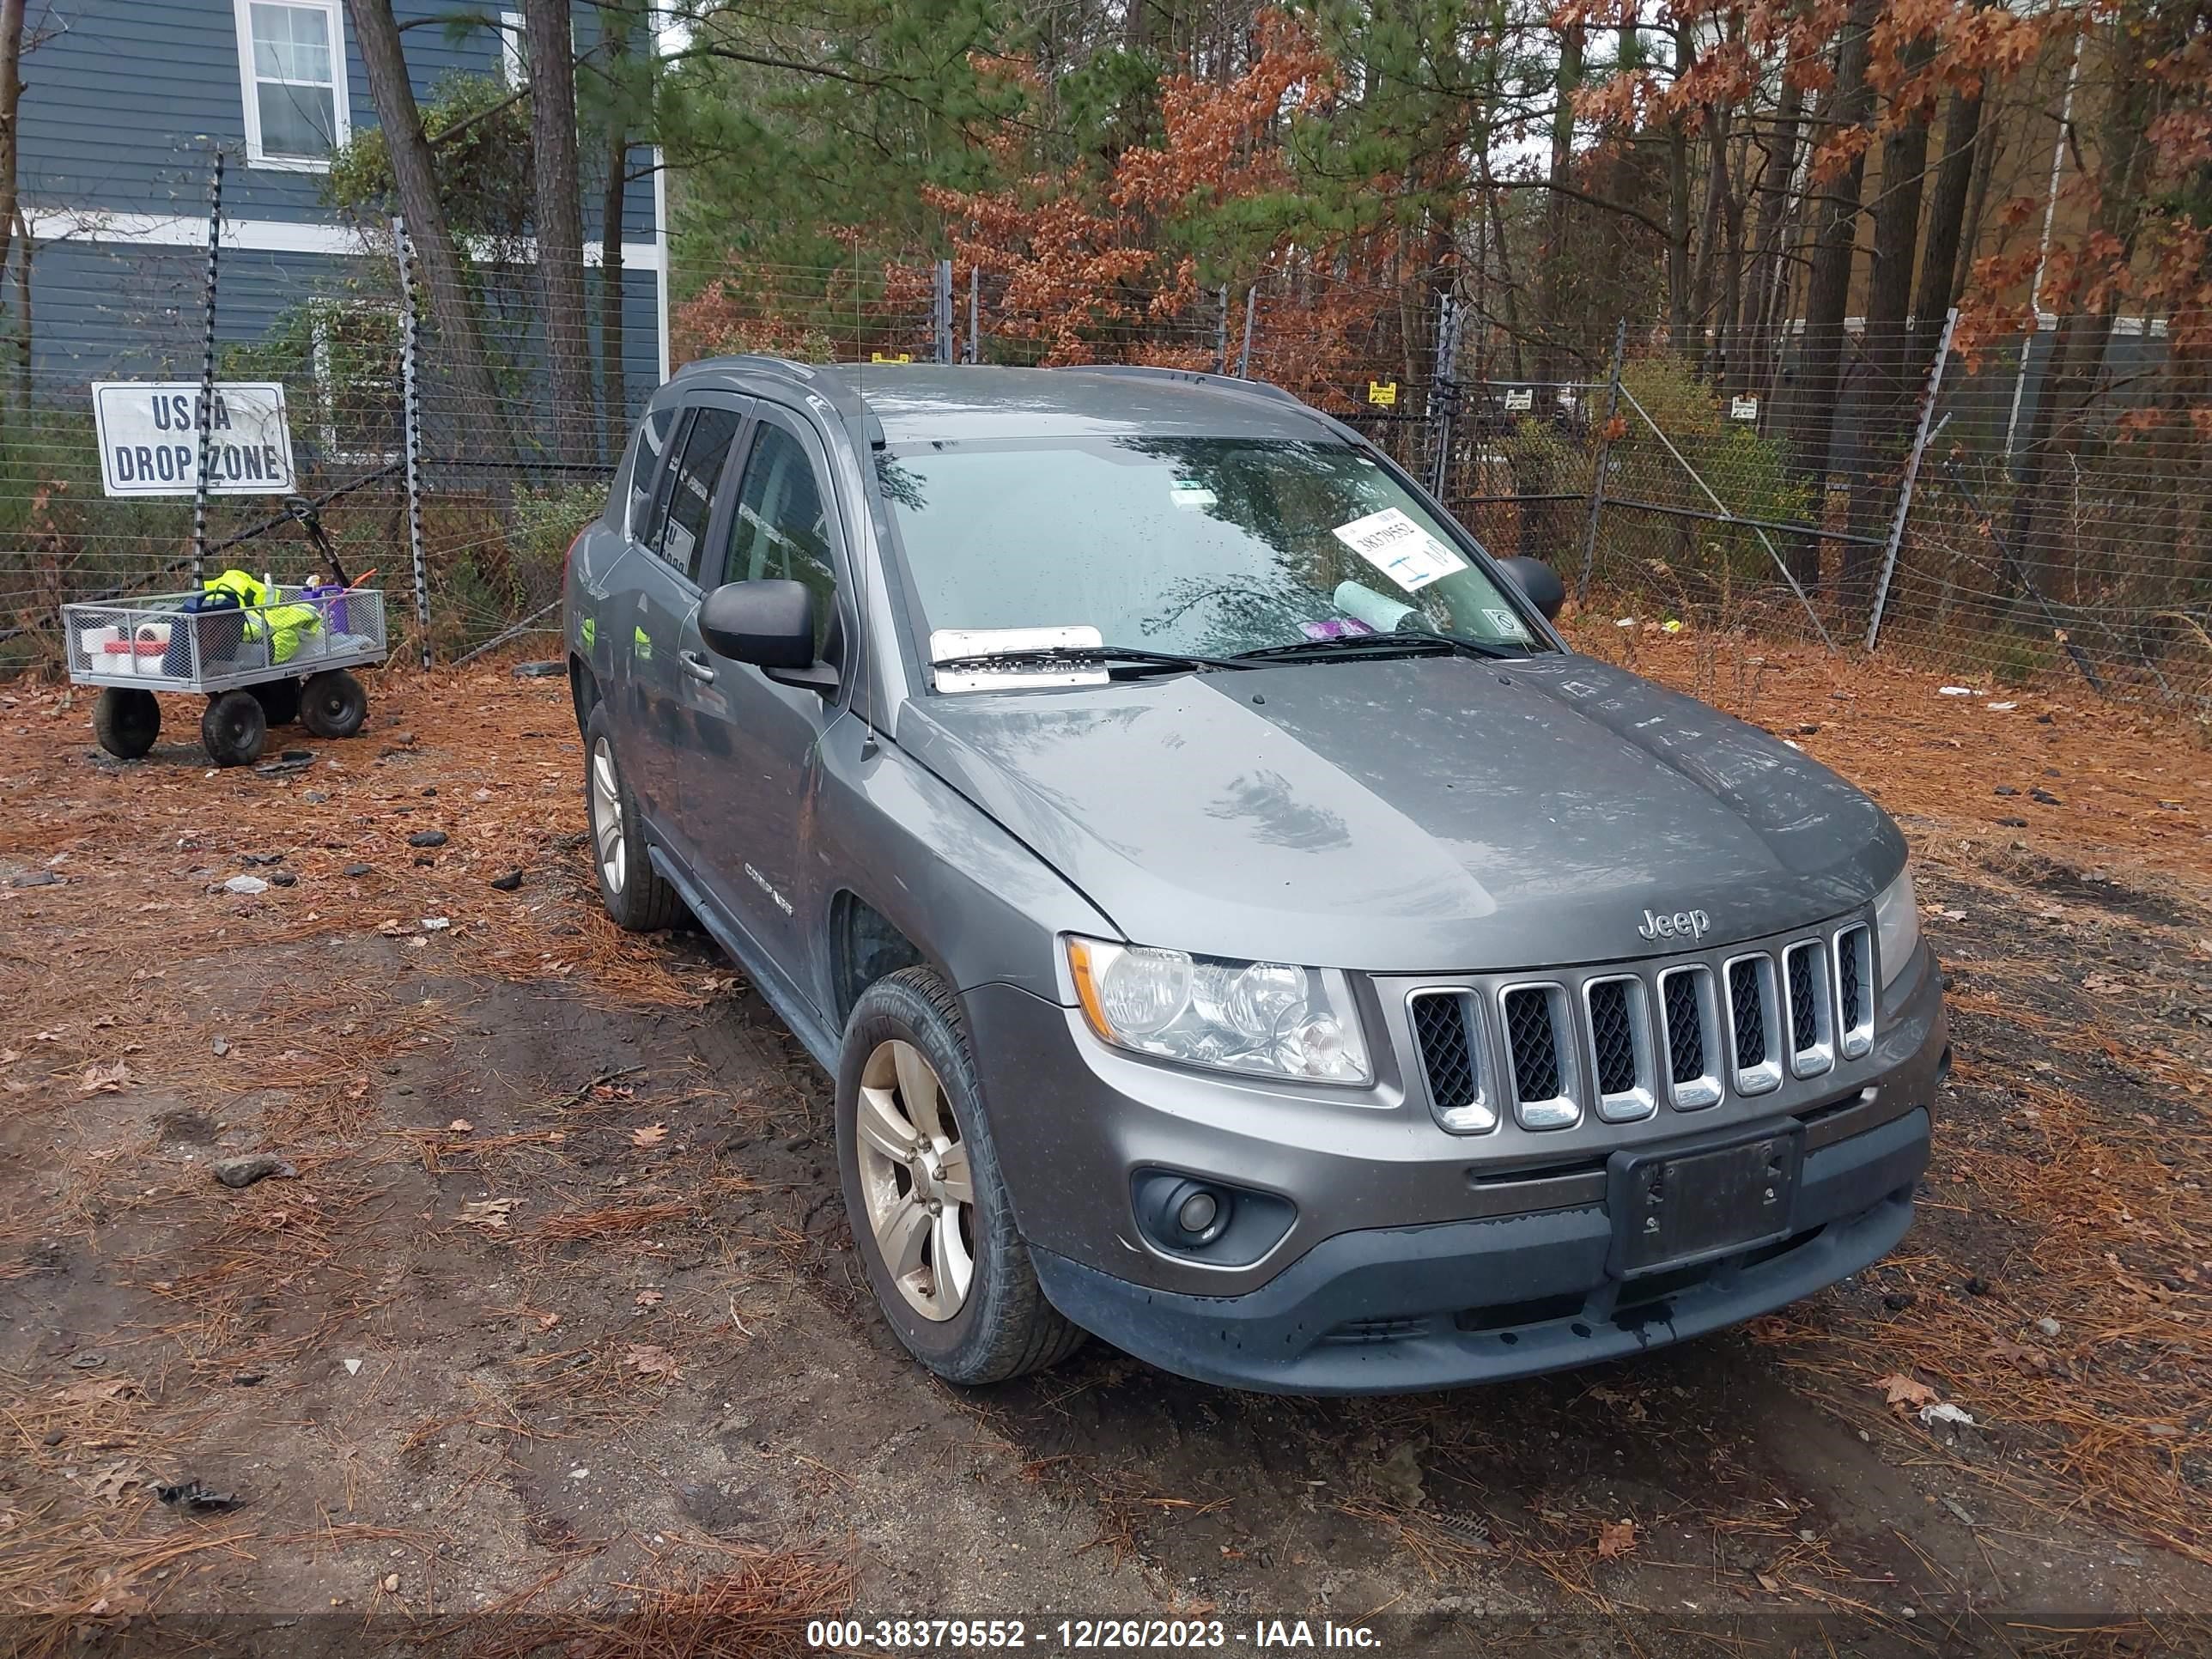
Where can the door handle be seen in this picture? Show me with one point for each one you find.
(694, 665)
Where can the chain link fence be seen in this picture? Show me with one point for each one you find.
(2026, 509)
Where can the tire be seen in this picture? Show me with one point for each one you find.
(279, 700)
(635, 896)
(999, 1325)
(126, 721)
(234, 728)
(333, 704)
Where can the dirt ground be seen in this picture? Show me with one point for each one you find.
(547, 1338)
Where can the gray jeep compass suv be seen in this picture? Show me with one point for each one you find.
(1238, 926)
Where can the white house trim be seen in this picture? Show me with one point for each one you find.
(249, 83)
(62, 224)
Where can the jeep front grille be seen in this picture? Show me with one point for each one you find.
(1615, 1043)
(1537, 1030)
(1447, 1033)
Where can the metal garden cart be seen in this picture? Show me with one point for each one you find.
(258, 665)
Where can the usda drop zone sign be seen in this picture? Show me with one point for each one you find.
(149, 438)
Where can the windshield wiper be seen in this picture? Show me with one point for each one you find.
(1088, 655)
(1384, 645)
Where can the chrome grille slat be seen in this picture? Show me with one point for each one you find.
(1538, 1030)
(1812, 1012)
(1855, 990)
(1753, 1022)
(1622, 1070)
(1447, 1033)
(1691, 1012)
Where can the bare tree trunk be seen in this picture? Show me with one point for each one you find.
(11, 96)
(1731, 311)
(1947, 219)
(615, 29)
(24, 252)
(557, 213)
(1850, 101)
(1893, 380)
(1678, 204)
(482, 426)
(1770, 234)
(2141, 32)
(1550, 299)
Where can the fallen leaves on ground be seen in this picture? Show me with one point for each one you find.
(650, 1135)
(491, 1213)
(1616, 1539)
(112, 1078)
(1903, 1390)
(649, 1359)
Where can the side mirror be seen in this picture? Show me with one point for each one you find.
(770, 624)
(1539, 581)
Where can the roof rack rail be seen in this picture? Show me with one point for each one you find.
(1198, 377)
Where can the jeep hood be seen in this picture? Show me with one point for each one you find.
(1414, 815)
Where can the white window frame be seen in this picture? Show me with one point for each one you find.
(249, 86)
(513, 64)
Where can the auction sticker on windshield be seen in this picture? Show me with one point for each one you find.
(1400, 549)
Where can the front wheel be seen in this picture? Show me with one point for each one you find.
(929, 1210)
(126, 720)
(234, 728)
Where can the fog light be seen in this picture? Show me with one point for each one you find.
(1197, 1212)
(1204, 1219)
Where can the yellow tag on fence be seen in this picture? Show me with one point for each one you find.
(878, 357)
(1384, 393)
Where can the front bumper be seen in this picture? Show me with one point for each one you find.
(1391, 1310)
(1416, 1257)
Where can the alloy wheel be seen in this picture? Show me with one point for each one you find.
(914, 1180)
(607, 838)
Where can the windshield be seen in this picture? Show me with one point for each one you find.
(1206, 545)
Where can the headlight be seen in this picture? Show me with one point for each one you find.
(1265, 1018)
(1896, 925)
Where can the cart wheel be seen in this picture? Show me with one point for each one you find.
(125, 721)
(333, 704)
(233, 728)
(279, 700)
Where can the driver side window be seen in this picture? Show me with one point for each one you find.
(780, 528)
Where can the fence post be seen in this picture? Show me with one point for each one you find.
(207, 383)
(971, 350)
(940, 310)
(1445, 394)
(410, 425)
(1244, 355)
(1597, 464)
(1912, 474)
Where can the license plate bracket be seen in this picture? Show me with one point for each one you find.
(1676, 1207)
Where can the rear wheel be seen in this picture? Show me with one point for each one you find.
(333, 704)
(234, 728)
(929, 1210)
(126, 721)
(636, 896)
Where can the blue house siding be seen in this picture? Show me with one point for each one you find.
(125, 102)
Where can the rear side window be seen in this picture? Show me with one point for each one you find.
(780, 529)
(690, 494)
(644, 468)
